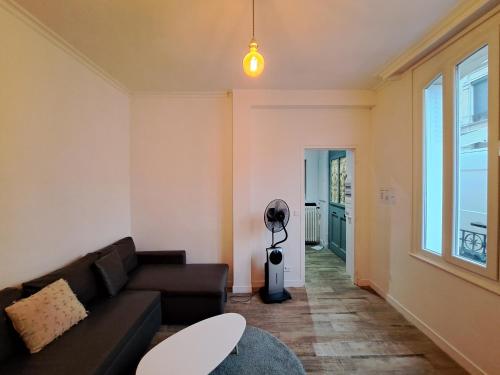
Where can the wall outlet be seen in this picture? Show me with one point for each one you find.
(288, 269)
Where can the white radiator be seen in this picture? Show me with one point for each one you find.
(312, 224)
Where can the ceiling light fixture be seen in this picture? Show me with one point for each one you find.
(253, 62)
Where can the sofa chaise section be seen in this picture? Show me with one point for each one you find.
(190, 292)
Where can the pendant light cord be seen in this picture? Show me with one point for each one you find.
(253, 19)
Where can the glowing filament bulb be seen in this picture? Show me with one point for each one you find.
(253, 62)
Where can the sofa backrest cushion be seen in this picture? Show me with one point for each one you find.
(80, 275)
(110, 267)
(126, 249)
(10, 341)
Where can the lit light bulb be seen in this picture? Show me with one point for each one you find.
(253, 62)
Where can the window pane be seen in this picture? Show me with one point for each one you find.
(334, 181)
(433, 166)
(471, 158)
(343, 177)
(480, 99)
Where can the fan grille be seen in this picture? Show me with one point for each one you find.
(276, 215)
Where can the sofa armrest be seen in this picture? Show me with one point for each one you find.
(162, 257)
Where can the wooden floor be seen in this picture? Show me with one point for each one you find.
(335, 327)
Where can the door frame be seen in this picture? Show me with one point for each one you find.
(355, 191)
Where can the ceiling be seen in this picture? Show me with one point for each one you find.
(198, 45)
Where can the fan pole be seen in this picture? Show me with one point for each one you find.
(272, 241)
(286, 235)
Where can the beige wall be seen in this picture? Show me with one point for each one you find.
(182, 163)
(64, 157)
(455, 313)
(181, 175)
(272, 129)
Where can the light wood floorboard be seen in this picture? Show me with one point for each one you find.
(335, 327)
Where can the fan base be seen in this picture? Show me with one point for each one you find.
(275, 297)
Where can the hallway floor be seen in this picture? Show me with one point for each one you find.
(335, 327)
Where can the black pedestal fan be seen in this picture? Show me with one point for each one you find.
(276, 218)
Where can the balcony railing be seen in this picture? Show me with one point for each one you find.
(473, 245)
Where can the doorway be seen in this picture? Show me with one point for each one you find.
(329, 204)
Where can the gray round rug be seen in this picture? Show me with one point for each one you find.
(260, 353)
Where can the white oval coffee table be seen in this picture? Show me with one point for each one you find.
(195, 350)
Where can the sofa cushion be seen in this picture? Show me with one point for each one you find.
(46, 315)
(10, 342)
(110, 267)
(126, 249)
(80, 276)
(93, 346)
(181, 279)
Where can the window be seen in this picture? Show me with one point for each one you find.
(433, 166)
(342, 178)
(338, 175)
(471, 159)
(334, 181)
(456, 156)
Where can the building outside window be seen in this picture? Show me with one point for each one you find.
(472, 157)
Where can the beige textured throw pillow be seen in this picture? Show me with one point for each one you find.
(46, 315)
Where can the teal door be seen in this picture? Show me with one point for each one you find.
(336, 208)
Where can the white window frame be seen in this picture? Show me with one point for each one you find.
(443, 62)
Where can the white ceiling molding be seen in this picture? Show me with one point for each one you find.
(312, 106)
(31, 21)
(463, 16)
(182, 94)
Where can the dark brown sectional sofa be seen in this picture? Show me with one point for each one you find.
(118, 330)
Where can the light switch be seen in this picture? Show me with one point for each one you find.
(387, 196)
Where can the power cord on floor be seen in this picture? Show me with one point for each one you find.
(241, 298)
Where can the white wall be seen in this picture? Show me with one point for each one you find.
(312, 176)
(460, 316)
(181, 168)
(271, 131)
(64, 155)
(181, 177)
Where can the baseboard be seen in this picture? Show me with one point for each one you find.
(238, 289)
(363, 282)
(440, 341)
